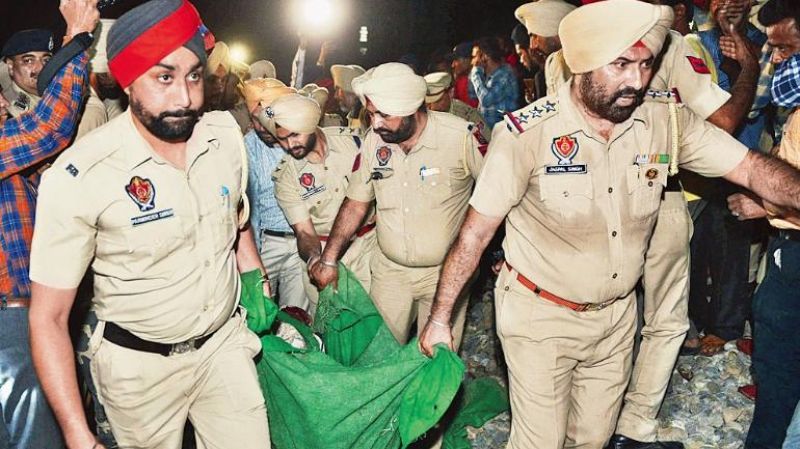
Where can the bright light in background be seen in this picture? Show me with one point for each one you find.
(239, 52)
(318, 17)
(363, 34)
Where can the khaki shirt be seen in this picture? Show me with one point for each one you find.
(159, 239)
(21, 101)
(680, 68)
(96, 113)
(421, 197)
(789, 151)
(580, 210)
(470, 114)
(315, 191)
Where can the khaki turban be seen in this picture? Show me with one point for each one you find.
(263, 91)
(294, 112)
(220, 56)
(316, 93)
(393, 88)
(99, 61)
(262, 69)
(542, 18)
(437, 83)
(343, 76)
(596, 34)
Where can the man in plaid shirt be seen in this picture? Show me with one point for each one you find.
(26, 143)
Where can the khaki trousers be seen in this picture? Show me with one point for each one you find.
(666, 320)
(148, 397)
(285, 270)
(404, 295)
(357, 258)
(567, 370)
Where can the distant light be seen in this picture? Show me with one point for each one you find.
(317, 12)
(239, 53)
(363, 34)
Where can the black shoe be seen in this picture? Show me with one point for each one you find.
(622, 442)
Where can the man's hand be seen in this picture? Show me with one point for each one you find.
(81, 16)
(746, 206)
(433, 334)
(736, 46)
(322, 275)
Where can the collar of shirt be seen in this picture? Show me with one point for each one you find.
(139, 151)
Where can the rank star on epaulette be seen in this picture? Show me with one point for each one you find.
(666, 96)
(523, 119)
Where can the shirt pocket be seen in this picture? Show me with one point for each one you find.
(646, 182)
(569, 198)
(388, 193)
(435, 189)
(150, 243)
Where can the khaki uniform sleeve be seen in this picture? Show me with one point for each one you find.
(556, 72)
(361, 187)
(293, 206)
(706, 149)
(64, 235)
(505, 176)
(692, 77)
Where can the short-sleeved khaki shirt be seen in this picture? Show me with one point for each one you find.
(161, 238)
(421, 197)
(580, 210)
(315, 191)
(678, 67)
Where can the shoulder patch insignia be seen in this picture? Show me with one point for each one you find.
(698, 65)
(526, 118)
(663, 96)
(72, 170)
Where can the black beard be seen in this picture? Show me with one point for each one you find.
(606, 107)
(158, 126)
(303, 150)
(408, 126)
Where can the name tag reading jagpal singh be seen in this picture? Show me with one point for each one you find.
(564, 169)
(136, 221)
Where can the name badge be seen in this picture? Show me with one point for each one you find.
(565, 169)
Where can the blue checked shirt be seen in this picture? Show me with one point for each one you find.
(786, 83)
(264, 210)
(497, 94)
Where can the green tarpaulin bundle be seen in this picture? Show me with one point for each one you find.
(365, 392)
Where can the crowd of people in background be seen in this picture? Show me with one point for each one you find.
(402, 172)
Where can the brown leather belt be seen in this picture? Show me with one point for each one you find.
(364, 230)
(10, 302)
(544, 294)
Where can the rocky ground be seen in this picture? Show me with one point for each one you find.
(703, 408)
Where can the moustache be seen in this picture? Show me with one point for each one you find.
(297, 148)
(183, 113)
(629, 92)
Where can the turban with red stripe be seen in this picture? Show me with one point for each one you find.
(146, 34)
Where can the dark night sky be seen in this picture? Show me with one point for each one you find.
(396, 27)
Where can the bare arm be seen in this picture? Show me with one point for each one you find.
(731, 115)
(768, 177)
(351, 215)
(247, 258)
(461, 262)
(308, 244)
(54, 361)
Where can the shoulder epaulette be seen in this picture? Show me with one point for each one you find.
(663, 96)
(345, 131)
(526, 118)
(219, 118)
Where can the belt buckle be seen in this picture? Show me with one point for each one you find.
(594, 307)
(183, 347)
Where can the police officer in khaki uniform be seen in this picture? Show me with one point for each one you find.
(349, 104)
(25, 54)
(311, 182)
(578, 177)
(151, 200)
(419, 167)
(438, 98)
(666, 275)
